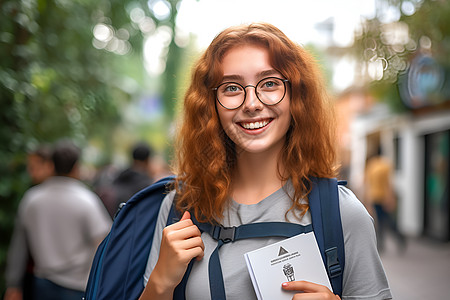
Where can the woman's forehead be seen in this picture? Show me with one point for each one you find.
(247, 62)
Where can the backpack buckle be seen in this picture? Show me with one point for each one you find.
(225, 234)
(333, 266)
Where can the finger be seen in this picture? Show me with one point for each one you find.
(186, 250)
(196, 253)
(189, 243)
(184, 222)
(185, 219)
(187, 255)
(183, 233)
(194, 242)
(304, 286)
(186, 215)
(315, 296)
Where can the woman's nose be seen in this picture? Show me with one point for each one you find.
(251, 101)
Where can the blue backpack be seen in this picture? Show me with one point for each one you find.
(121, 259)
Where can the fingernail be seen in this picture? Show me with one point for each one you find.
(284, 284)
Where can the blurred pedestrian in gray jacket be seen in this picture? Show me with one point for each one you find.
(60, 223)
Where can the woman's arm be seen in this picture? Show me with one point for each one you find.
(181, 242)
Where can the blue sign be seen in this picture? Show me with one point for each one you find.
(426, 83)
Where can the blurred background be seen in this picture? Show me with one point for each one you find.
(110, 73)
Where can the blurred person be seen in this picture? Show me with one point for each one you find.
(40, 164)
(60, 222)
(134, 178)
(256, 128)
(39, 168)
(381, 198)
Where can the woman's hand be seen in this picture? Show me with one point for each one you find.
(311, 291)
(180, 243)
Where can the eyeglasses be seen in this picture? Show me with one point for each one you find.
(270, 91)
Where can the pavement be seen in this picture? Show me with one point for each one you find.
(421, 272)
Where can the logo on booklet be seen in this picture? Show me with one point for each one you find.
(284, 256)
(288, 271)
(282, 251)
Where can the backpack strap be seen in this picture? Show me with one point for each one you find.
(326, 220)
(225, 235)
(180, 290)
(326, 223)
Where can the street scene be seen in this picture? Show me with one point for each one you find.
(216, 114)
(421, 272)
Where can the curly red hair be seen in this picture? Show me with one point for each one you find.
(205, 157)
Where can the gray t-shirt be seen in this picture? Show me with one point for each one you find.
(364, 277)
(61, 223)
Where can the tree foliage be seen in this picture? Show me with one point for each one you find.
(423, 27)
(59, 79)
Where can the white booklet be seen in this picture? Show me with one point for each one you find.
(293, 259)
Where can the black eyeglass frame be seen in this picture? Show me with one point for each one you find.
(244, 88)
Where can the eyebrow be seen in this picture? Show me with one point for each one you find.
(262, 74)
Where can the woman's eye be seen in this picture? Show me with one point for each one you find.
(270, 84)
(232, 88)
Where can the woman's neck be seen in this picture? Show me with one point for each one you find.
(257, 176)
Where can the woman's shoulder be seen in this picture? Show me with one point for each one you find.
(353, 212)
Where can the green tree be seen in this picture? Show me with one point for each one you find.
(423, 27)
(68, 69)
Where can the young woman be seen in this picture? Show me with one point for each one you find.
(256, 127)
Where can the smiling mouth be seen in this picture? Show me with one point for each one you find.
(255, 125)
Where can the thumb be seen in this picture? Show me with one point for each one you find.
(186, 216)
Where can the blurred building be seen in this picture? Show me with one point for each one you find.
(416, 141)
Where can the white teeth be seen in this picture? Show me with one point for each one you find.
(255, 125)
